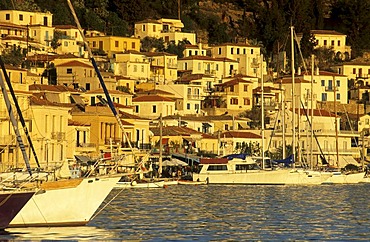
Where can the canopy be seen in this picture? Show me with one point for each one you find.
(174, 162)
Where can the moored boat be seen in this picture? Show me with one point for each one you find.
(194, 183)
(342, 178)
(140, 184)
(247, 171)
(11, 202)
(70, 202)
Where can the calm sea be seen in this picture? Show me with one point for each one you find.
(233, 213)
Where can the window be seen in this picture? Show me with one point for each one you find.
(137, 108)
(247, 101)
(243, 51)
(197, 107)
(196, 52)
(231, 88)
(69, 70)
(217, 67)
(325, 42)
(92, 100)
(324, 96)
(338, 42)
(367, 121)
(154, 28)
(133, 45)
(135, 68)
(234, 101)
(20, 17)
(199, 66)
(189, 91)
(190, 53)
(251, 51)
(7, 16)
(354, 71)
(116, 44)
(66, 43)
(232, 51)
(88, 86)
(338, 96)
(188, 106)
(226, 127)
(332, 42)
(246, 88)
(323, 83)
(154, 109)
(237, 51)
(144, 28)
(94, 44)
(142, 68)
(338, 83)
(217, 168)
(219, 51)
(185, 66)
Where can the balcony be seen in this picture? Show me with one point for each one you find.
(58, 135)
(8, 139)
(86, 147)
(194, 97)
(331, 89)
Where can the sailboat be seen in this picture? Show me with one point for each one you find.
(62, 202)
(11, 202)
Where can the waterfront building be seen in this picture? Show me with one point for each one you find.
(167, 29)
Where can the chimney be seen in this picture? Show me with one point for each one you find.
(317, 72)
(299, 71)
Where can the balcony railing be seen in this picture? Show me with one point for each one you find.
(331, 89)
(194, 96)
(58, 135)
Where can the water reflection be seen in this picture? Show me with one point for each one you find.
(224, 213)
(57, 233)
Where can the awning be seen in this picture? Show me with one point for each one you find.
(77, 99)
(165, 141)
(83, 160)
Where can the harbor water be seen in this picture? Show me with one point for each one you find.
(216, 212)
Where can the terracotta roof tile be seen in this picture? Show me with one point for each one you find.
(237, 134)
(152, 98)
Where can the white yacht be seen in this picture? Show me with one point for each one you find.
(245, 170)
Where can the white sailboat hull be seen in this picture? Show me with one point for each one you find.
(263, 177)
(126, 185)
(69, 206)
(339, 178)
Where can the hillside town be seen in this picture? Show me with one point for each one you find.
(206, 104)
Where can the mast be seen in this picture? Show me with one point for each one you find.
(293, 98)
(311, 96)
(262, 116)
(14, 124)
(160, 146)
(283, 118)
(336, 121)
(91, 57)
(19, 112)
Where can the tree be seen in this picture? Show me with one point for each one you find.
(149, 44)
(13, 56)
(55, 41)
(177, 49)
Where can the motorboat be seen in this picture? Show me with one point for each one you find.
(236, 169)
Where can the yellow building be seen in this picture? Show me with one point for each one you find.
(163, 66)
(248, 57)
(112, 45)
(168, 29)
(151, 106)
(78, 74)
(236, 95)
